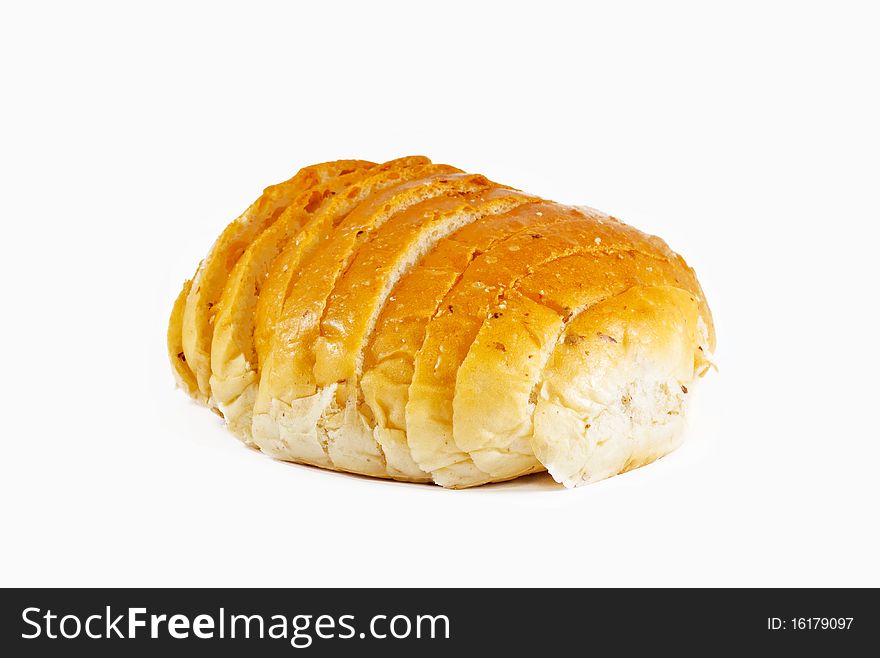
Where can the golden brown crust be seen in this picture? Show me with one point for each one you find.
(234, 355)
(287, 266)
(344, 321)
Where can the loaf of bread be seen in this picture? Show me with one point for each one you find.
(411, 321)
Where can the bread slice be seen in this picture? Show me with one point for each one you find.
(516, 342)
(287, 266)
(207, 285)
(614, 391)
(451, 332)
(184, 377)
(345, 426)
(288, 403)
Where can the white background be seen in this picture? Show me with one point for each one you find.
(745, 134)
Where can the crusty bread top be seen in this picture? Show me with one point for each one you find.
(233, 347)
(288, 265)
(383, 261)
(290, 375)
